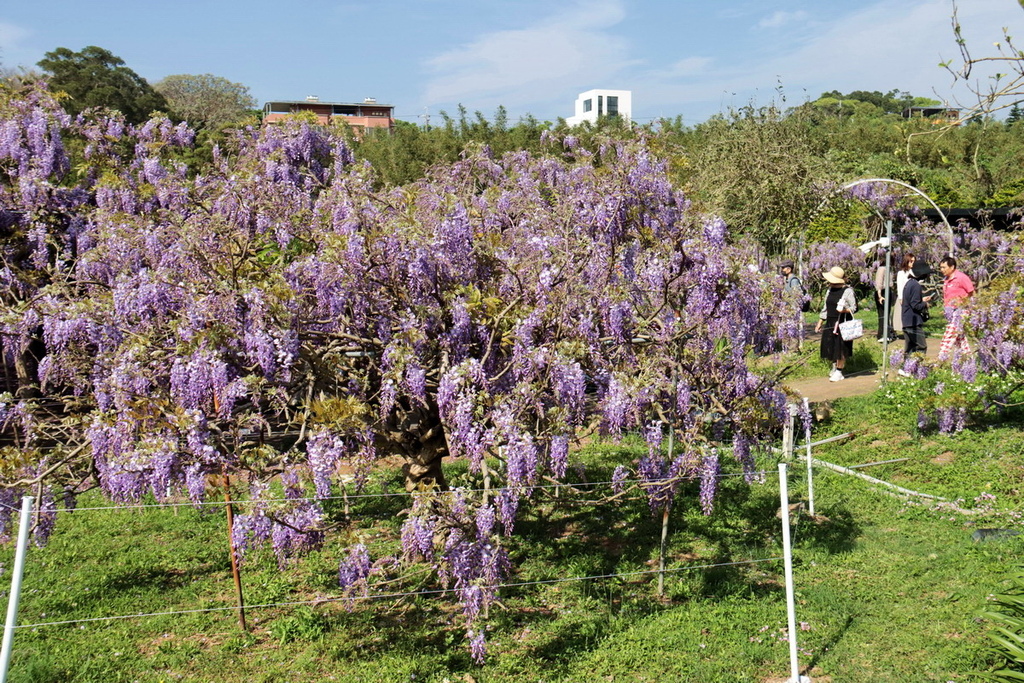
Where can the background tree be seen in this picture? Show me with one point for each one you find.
(759, 169)
(94, 77)
(206, 101)
(403, 154)
(892, 102)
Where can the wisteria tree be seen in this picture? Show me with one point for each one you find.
(278, 317)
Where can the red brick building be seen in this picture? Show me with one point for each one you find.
(360, 116)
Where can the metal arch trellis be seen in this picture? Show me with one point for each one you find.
(888, 244)
(942, 215)
(865, 181)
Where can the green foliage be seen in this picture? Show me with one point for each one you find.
(304, 625)
(1007, 617)
(1010, 194)
(403, 154)
(94, 77)
(872, 103)
(762, 169)
(838, 221)
(759, 170)
(205, 100)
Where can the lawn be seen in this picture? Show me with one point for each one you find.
(888, 588)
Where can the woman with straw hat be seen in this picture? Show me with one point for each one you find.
(840, 305)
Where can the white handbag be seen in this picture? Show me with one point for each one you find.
(850, 329)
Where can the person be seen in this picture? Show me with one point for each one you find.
(793, 286)
(902, 275)
(957, 288)
(914, 311)
(883, 290)
(840, 304)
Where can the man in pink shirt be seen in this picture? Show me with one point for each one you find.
(957, 288)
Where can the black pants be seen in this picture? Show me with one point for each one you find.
(914, 340)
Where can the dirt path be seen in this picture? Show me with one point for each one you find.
(817, 389)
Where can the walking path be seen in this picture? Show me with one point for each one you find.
(816, 389)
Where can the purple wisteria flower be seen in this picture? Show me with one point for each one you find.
(619, 477)
(355, 568)
(558, 455)
(418, 538)
(710, 470)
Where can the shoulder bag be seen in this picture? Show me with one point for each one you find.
(849, 329)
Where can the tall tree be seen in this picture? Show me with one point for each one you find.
(205, 100)
(94, 77)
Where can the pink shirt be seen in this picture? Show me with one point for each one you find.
(955, 288)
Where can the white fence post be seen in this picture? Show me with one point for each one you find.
(789, 432)
(810, 471)
(24, 524)
(787, 553)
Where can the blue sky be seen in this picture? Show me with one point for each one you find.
(679, 57)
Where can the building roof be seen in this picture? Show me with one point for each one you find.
(372, 103)
(934, 110)
(1000, 218)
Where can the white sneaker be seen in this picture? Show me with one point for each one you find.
(836, 376)
(902, 373)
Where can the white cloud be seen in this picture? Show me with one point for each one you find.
(781, 18)
(872, 45)
(573, 49)
(11, 34)
(891, 46)
(883, 46)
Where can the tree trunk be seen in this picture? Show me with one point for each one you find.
(422, 467)
(416, 434)
(26, 366)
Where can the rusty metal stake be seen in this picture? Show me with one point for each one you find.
(234, 559)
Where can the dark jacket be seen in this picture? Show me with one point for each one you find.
(913, 304)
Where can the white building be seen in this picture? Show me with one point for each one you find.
(594, 104)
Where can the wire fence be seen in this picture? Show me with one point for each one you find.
(403, 494)
(319, 600)
(396, 595)
(637, 485)
(365, 594)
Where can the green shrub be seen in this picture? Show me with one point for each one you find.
(1008, 637)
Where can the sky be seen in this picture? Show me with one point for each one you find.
(684, 58)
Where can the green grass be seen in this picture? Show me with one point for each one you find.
(888, 589)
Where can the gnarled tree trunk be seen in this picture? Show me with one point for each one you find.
(417, 435)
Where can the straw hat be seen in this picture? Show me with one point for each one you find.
(835, 275)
